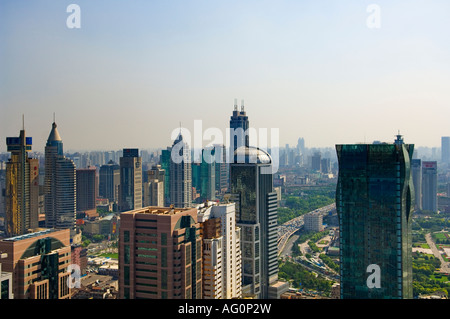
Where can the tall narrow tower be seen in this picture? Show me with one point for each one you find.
(59, 184)
(180, 174)
(130, 189)
(22, 189)
(238, 129)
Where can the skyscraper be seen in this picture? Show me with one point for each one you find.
(180, 174)
(204, 176)
(130, 189)
(21, 187)
(256, 215)
(239, 125)
(374, 202)
(109, 181)
(59, 184)
(160, 254)
(445, 149)
(416, 171)
(429, 186)
(165, 165)
(86, 188)
(221, 251)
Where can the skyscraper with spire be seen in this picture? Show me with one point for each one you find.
(238, 128)
(21, 186)
(59, 184)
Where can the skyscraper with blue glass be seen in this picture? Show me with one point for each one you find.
(374, 202)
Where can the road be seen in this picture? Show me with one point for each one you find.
(445, 266)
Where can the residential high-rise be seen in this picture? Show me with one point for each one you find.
(429, 186)
(222, 273)
(416, 171)
(204, 176)
(109, 181)
(39, 263)
(180, 174)
(445, 149)
(316, 161)
(59, 184)
(130, 189)
(160, 254)
(375, 202)
(221, 178)
(86, 188)
(256, 215)
(21, 187)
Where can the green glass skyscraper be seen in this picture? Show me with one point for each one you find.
(374, 202)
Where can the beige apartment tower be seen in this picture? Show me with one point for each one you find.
(160, 254)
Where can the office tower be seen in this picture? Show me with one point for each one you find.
(39, 264)
(221, 178)
(221, 251)
(301, 146)
(165, 165)
(416, 171)
(316, 161)
(374, 202)
(109, 181)
(239, 125)
(160, 254)
(153, 190)
(256, 215)
(180, 174)
(130, 189)
(429, 186)
(59, 184)
(204, 176)
(445, 149)
(325, 165)
(21, 187)
(86, 188)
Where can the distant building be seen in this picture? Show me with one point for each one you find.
(445, 149)
(153, 189)
(160, 254)
(21, 187)
(416, 171)
(39, 263)
(86, 188)
(130, 189)
(316, 161)
(374, 203)
(109, 181)
(313, 222)
(429, 186)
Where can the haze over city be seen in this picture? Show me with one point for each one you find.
(134, 70)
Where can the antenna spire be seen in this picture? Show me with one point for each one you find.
(23, 122)
(242, 105)
(54, 119)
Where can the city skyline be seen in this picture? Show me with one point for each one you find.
(132, 72)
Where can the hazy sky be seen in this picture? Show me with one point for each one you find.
(312, 69)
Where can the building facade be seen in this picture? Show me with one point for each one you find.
(160, 254)
(374, 202)
(445, 149)
(59, 184)
(222, 268)
(416, 171)
(21, 187)
(39, 264)
(86, 188)
(256, 215)
(109, 181)
(130, 189)
(180, 174)
(429, 186)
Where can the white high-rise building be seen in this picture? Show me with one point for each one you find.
(222, 276)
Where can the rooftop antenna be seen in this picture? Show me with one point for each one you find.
(54, 119)
(23, 122)
(242, 105)
(235, 105)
